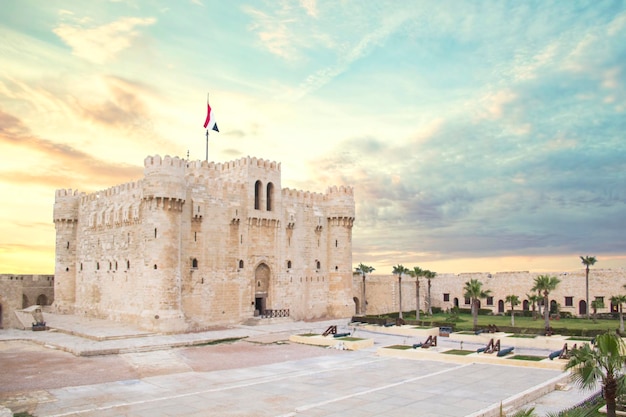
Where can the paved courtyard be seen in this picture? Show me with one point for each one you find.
(266, 376)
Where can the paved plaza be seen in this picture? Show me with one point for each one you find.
(333, 383)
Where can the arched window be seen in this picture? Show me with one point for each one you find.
(97, 265)
(240, 263)
(194, 263)
(270, 196)
(288, 264)
(258, 187)
(318, 265)
(155, 266)
(127, 264)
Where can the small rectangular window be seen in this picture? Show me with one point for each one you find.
(489, 301)
(569, 301)
(467, 300)
(446, 297)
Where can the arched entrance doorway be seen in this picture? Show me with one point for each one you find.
(42, 300)
(582, 307)
(525, 305)
(357, 305)
(500, 306)
(456, 302)
(261, 288)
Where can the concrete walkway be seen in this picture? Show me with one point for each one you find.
(357, 383)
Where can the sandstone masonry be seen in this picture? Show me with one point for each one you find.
(447, 290)
(194, 244)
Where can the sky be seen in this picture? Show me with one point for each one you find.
(478, 136)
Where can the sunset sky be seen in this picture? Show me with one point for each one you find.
(478, 136)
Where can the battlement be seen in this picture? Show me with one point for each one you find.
(234, 169)
(342, 190)
(61, 193)
(66, 205)
(126, 188)
(170, 167)
(303, 196)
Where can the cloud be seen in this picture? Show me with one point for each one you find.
(66, 163)
(124, 107)
(100, 44)
(310, 6)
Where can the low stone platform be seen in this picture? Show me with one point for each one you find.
(343, 343)
(437, 354)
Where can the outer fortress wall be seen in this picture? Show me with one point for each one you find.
(382, 290)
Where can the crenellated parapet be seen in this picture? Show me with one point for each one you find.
(66, 202)
(302, 197)
(236, 170)
(164, 178)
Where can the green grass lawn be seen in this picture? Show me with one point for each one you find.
(466, 322)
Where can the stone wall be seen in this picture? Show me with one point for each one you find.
(382, 291)
(21, 291)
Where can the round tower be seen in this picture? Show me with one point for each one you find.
(164, 193)
(65, 217)
(340, 216)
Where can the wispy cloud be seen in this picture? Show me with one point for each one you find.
(69, 166)
(102, 43)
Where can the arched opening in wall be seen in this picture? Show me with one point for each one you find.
(262, 275)
(24, 301)
(318, 265)
(500, 306)
(456, 302)
(553, 306)
(614, 308)
(42, 300)
(288, 264)
(258, 189)
(525, 305)
(240, 263)
(357, 305)
(270, 196)
(582, 307)
(194, 263)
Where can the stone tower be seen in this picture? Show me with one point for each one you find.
(164, 195)
(340, 217)
(65, 217)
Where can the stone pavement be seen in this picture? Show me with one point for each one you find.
(351, 384)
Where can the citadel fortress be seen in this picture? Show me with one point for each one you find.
(194, 244)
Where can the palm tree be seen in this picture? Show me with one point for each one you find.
(474, 291)
(399, 270)
(429, 275)
(514, 300)
(619, 300)
(417, 272)
(545, 284)
(604, 363)
(534, 299)
(363, 270)
(539, 298)
(596, 304)
(587, 261)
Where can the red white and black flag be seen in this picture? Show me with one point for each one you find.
(210, 123)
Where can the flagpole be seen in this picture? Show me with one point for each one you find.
(207, 145)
